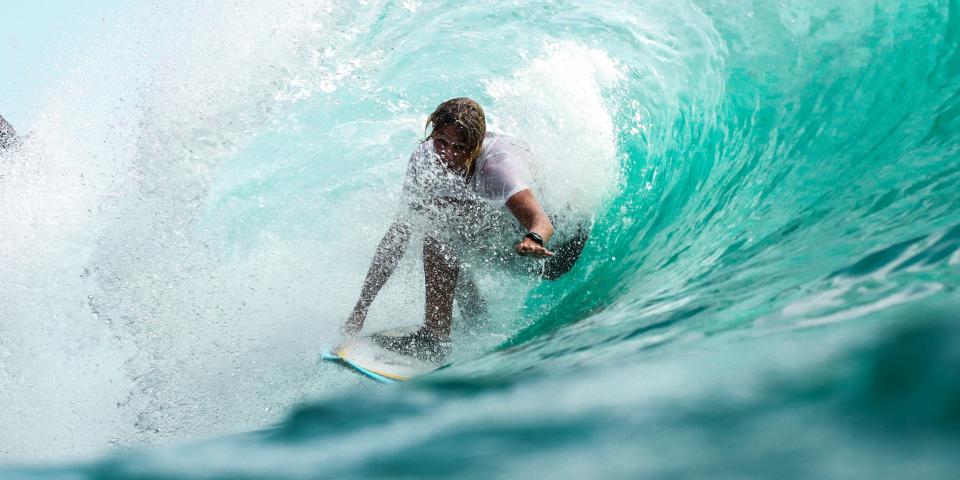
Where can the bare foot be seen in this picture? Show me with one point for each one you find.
(422, 344)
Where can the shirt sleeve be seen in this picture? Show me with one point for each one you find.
(502, 181)
(505, 172)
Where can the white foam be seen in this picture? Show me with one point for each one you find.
(117, 326)
(556, 103)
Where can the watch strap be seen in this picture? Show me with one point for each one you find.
(535, 237)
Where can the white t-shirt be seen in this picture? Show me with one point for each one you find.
(502, 170)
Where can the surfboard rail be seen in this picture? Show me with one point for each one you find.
(366, 357)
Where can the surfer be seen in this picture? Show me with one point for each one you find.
(8, 137)
(457, 168)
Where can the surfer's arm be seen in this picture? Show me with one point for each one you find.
(524, 206)
(385, 261)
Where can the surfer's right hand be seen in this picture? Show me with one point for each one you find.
(354, 323)
(528, 247)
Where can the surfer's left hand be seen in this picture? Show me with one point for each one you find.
(528, 247)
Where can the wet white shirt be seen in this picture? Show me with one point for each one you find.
(502, 170)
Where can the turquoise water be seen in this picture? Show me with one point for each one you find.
(770, 289)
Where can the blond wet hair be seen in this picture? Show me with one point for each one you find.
(467, 117)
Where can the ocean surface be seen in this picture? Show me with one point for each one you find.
(770, 289)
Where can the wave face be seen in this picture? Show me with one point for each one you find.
(769, 288)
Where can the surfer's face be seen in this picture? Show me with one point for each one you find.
(451, 147)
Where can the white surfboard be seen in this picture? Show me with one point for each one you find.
(365, 356)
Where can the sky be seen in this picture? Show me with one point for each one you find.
(38, 39)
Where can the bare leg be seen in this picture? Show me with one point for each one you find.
(470, 302)
(440, 269)
(432, 342)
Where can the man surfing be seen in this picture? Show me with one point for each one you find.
(457, 169)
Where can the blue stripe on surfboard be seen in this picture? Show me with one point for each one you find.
(327, 354)
(374, 375)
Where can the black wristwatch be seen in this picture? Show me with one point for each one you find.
(535, 237)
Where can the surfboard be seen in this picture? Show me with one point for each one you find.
(364, 356)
